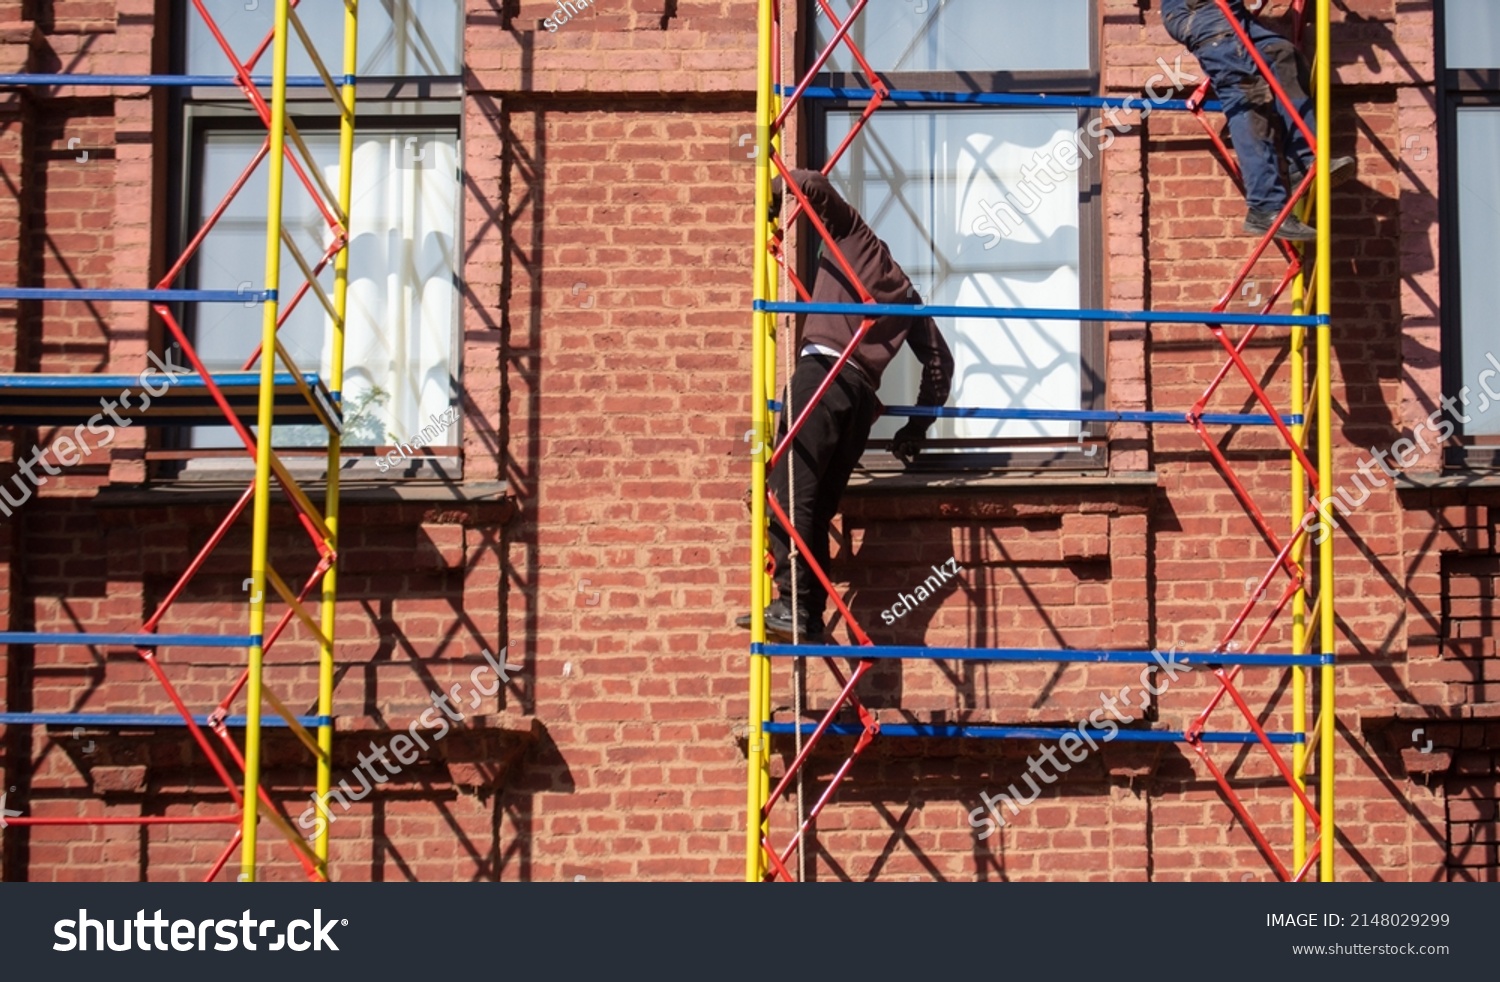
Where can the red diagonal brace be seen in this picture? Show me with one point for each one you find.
(1240, 810)
(860, 744)
(1268, 75)
(838, 602)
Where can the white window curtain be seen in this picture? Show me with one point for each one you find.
(926, 182)
(403, 293)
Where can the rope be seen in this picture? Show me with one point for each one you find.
(799, 667)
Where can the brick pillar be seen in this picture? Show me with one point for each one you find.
(15, 742)
(139, 143)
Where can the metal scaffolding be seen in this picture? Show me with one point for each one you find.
(1306, 590)
(253, 402)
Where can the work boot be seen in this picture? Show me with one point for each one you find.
(779, 623)
(1291, 230)
(1341, 170)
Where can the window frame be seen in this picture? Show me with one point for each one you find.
(382, 103)
(1093, 339)
(1457, 88)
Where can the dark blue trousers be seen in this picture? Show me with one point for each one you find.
(1250, 107)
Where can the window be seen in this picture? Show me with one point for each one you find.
(964, 36)
(403, 311)
(946, 186)
(1470, 39)
(393, 41)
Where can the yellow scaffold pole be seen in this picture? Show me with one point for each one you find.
(1298, 556)
(329, 614)
(1300, 552)
(1323, 277)
(261, 510)
(762, 355)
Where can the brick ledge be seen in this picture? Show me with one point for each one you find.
(497, 492)
(1022, 481)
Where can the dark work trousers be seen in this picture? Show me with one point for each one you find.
(1250, 107)
(826, 450)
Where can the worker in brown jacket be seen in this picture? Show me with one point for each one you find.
(830, 443)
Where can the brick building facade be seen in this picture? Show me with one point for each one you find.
(598, 532)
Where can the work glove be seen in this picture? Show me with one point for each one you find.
(906, 445)
(773, 210)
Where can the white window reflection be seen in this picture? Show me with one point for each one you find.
(1478, 216)
(961, 35)
(924, 181)
(396, 37)
(1473, 33)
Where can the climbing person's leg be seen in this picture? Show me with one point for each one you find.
(1292, 73)
(858, 400)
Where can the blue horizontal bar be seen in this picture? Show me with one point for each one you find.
(893, 652)
(149, 296)
(1038, 99)
(1043, 314)
(1087, 415)
(132, 640)
(270, 720)
(75, 382)
(958, 731)
(126, 719)
(164, 81)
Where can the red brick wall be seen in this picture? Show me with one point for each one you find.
(605, 378)
(625, 262)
